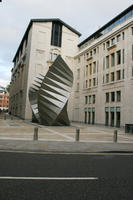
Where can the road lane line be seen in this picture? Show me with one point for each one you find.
(48, 178)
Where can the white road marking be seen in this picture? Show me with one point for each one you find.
(61, 134)
(48, 178)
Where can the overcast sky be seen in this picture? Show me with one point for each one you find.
(83, 15)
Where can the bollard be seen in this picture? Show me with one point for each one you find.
(115, 135)
(36, 133)
(11, 118)
(77, 134)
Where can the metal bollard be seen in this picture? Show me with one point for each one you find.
(115, 135)
(77, 134)
(36, 133)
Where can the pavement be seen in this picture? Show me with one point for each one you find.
(18, 135)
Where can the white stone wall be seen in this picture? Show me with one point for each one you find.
(124, 85)
(39, 56)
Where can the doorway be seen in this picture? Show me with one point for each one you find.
(112, 116)
(118, 119)
(85, 117)
(106, 118)
(89, 117)
(93, 117)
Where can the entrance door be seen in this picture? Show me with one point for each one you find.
(85, 117)
(93, 117)
(112, 119)
(106, 118)
(118, 119)
(89, 117)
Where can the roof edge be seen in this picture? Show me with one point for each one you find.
(106, 25)
(44, 20)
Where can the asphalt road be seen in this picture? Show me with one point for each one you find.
(29, 176)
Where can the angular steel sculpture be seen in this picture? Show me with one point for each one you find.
(50, 93)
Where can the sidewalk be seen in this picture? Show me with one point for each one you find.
(18, 134)
(65, 147)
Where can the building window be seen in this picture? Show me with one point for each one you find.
(94, 51)
(86, 70)
(77, 86)
(94, 81)
(90, 68)
(89, 99)
(90, 53)
(132, 30)
(123, 35)
(103, 63)
(132, 71)
(118, 94)
(87, 55)
(118, 75)
(53, 56)
(123, 56)
(113, 41)
(112, 96)
(93, 99)
(107, 78)
(107, 97)
(78, 73)
(79, 60)
(86, 83)
(118, 38)
(94, 67)
(103, 46)
(108, 44)
(97, 65)
(86, 99)
(112, 76)
(118, 57)
(107, 62)
(56, 34)
(112, 59)
(89, 82)
(123, 73)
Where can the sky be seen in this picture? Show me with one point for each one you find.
(83, 15)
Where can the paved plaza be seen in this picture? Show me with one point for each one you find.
(13, 128)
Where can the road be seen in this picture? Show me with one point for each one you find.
(33, 176)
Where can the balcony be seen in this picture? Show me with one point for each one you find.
(111, 46)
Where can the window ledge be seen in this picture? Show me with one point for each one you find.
(89, 58)
(113, 82)
(111, 47)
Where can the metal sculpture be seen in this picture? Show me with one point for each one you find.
(49, 94)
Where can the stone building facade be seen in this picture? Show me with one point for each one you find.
(102, 65)
(43, 40)
(104, 74)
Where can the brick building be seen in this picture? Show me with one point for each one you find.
(4, 99)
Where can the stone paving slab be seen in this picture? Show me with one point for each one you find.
(18, 134)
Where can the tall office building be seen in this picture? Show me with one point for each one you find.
(102, 65)
(43, 40)
(104, 74)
